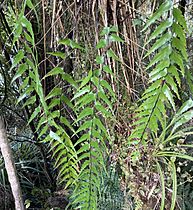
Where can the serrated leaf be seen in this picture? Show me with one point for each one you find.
(29, 4)
(99, 107)
(54, 102)
(161, 106)
(71, 43)
(75, 45)
(55, 136)
(187, 116)
(84, 148)
(149, 94)
(29, 39)
(169, 95)
(161, 10)
(179, 17)
(66, 101)
(55, 114)
(189, 79)
(178, 44)
(160, 56)
(24, 84)
(21, 97)
(66, 122)
(31, 64)
(173, 70)
(17, 31)
(97, 72)
(85, 100)
(177, 29)
(65, 42)
(95, 81)
(153, 123)
(177, 59)
(159, 115)
(173, 85)
(150, 102)
(159, 43)
(100, 125)
(158, 75)
(105, 31)
(26, 23)
(32, 7)
(32, 76)
(114, 29)
(160, 29)
(82, 139)
(105, 99)
(152, 87)
(162, 65)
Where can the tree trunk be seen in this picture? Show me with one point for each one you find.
(10, 167)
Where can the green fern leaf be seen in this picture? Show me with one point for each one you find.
(169, 95)
(162, 9)
(178, 44)
(159, 75)
(159, 43)
(66, 77)
(86, 79)
(187, 105)
(179, 18)
(34, 114)
(162, 65)
(85, 100)
(173, 85)
(85, 126)
(84, 113)
(106, 85)
(160, 56)
(107, 69)
(177, 59)
(53, 93)
(179, 33)
(19, 56)
(55, 71)
(21, 69)
(160, 29)
(174, 72)
(81, 92)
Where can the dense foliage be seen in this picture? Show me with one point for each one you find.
(97, 100)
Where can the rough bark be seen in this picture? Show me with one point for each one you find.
(10, 167)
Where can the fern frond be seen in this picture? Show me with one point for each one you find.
(93, 102)
(166, 67)
(50, 125)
